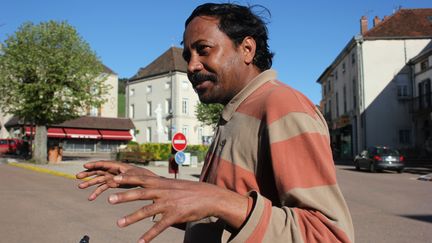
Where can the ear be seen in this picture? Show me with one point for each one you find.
(248, 48)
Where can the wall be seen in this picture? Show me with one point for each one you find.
(175, 87)
(384, 63)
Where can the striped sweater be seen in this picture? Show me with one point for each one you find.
(273, 144)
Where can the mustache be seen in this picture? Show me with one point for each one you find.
(197, 78)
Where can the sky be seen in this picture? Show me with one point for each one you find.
(306, 36)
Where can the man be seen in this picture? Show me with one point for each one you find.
(268, 175)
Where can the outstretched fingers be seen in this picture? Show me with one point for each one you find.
(157, 228)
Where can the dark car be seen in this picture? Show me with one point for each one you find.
(380, 158)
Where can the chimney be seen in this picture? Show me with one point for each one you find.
(363, 25)
(376, 21)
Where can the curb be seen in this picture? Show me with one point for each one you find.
(43, 170)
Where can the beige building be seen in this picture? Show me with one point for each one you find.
(367, 89)
(160, 101)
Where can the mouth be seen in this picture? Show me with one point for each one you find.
(203, 85)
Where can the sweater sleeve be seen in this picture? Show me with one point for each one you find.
(311, 207)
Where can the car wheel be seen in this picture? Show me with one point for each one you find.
(372, 168)
(399, 171)
(356, 164)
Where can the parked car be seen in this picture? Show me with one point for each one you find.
(380, 158)
(10, 145)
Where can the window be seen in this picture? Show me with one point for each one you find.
(149, 89)
(353, 58)
(337, 104)
(200, 135)
(185, 106)
(185, 84)
(167, 85)
(148, 134)
(168, 106)
(424, 65)
(404, 136)
(131, 92)
(354, 93)
(185, 130)
(343, 67)
(132, 111)
(329, 85)
(94, 111)
(345, 99)
(336, 74)
(149, 108)
(402, 90)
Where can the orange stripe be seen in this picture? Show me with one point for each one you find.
(306, 155)
(315, 227)
(254, 104)
(287, 100)
(233, 177)
(259, 232)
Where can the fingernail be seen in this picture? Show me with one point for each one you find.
(117, 178)
(121, 222)
(113, 198)
(141, 241)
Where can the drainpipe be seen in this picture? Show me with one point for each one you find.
(361, 89)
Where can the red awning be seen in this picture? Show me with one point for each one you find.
(115, 135)
(53, 132)
(82, 133)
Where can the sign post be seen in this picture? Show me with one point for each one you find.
(178, 144)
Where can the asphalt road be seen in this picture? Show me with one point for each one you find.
(38, 207)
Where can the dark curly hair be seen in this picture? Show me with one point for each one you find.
(238, 22)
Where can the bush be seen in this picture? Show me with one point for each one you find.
(162, 151)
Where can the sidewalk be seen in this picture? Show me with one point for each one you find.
(69, 168)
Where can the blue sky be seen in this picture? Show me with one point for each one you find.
(305, 35)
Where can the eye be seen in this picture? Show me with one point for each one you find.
(203, 50)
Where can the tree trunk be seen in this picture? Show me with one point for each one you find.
(40, 142)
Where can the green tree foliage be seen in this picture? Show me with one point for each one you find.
(49, 74)
(208, 114)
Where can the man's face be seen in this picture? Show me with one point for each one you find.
(213, 61)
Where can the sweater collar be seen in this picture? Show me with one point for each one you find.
(253, 85)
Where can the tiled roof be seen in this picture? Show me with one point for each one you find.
(108, 70)
(86, 122)
(404, 23)
(171, 60)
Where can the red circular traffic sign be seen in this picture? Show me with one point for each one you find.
(179, 142)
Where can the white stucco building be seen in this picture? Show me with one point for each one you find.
(367, 89)
(160, 101)
(422, 100)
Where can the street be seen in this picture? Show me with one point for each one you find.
(38, 207)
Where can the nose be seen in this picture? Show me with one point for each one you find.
(194, 64)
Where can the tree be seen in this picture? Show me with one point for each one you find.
(208, 114)
(48, 74)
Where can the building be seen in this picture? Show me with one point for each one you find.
(367, 89)
(421, 67)
(98, 131)
(161, 101)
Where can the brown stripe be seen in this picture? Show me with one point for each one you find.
(259, 232)
(294, 124)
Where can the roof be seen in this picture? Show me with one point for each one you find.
(170, 60)
(413, 23)
(427, 51)
(108, 70)
(89, 122)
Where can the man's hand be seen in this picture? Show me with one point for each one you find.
(178, 201)
(101, 173)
